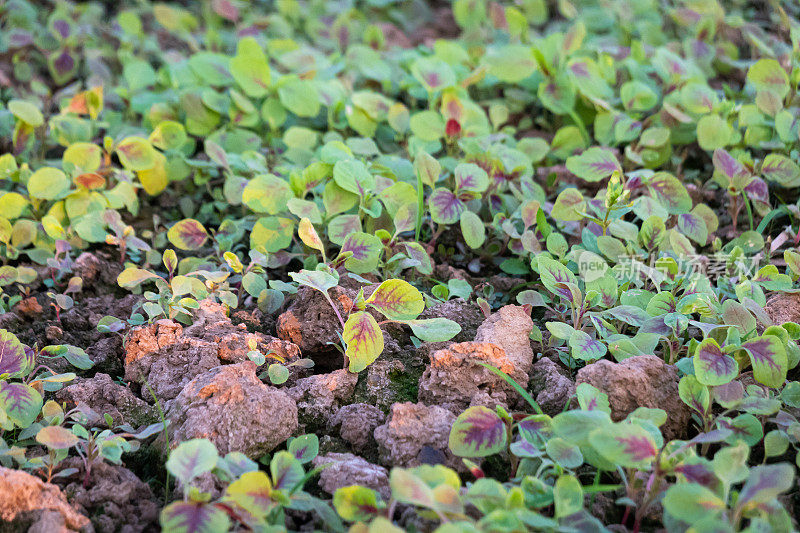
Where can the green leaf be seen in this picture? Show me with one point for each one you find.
(26, 112)
(250, 69)
(353, 176)
(567, 496)
(132, 277)
(363, 339)
(477, 432)
(472, 229)
(690, 502)
(434, 329)
(191, 459)
(267, 193)
(300, 97)
(316, 279)
(48, 184)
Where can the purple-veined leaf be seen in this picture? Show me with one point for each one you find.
(397, 300)
(551, 272)
(768, 75)
(781, 170)
(194, 517)
(445, 207)
(670, 193)
(304, 448)
(564, 453)
(366, 249)
(770, 279)
(769, 360)
(535, 429)
(693, 227)
(625, 444)
(253, 492)
(470, 177)
(21, 403)
(416, 252)
(363, 339)
(591, 399)
(188, 234)
(736, 173)
(287, 471)
(630, 314)
(593, 164)
(691, 502)
(694, 394)
(341, 226)
(764, 483)
(585, 347)
(712, 366)
(477, 432)
(13, 360)
(192, 458)
(355, 503)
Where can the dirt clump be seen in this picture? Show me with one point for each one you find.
(318, 397)
(232, 408)
(455, 379)
(357, 422)
(551, 386)
(115, 499)
(413, 433)
(29, 504)
(104, 396)
(346, 469)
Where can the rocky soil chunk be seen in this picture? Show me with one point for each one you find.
(509, 328)
(116, 499)
(455, 380)
(551, 386)
(357, 422)
(346, 469)
(212, 324)
(381, 390)
(29, 504)
(231, 407)
(318, 397)
(168, 356)
(311, 323)
(641, 381)
(104, 396)
(783, 307)
(414, 434)
(162, 356)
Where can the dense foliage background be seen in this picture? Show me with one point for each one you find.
(480, 266)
